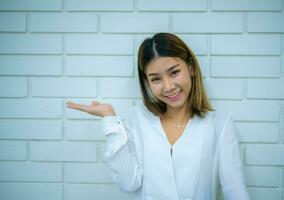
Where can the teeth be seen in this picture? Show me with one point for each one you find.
(174, 95)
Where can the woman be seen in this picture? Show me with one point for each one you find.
(174, 146)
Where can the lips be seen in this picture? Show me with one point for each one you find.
(174, 97)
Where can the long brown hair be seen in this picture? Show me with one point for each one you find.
(169, 45)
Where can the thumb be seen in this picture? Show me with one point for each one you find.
(95, 103)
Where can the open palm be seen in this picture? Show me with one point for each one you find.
(96, 108)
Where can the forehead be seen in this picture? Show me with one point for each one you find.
(161, 64)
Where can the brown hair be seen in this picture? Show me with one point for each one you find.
(169, 45)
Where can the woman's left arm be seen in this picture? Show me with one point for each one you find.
(229, 164)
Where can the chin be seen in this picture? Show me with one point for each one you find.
(179, 104)
(175, 105)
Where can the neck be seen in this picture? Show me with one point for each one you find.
(178, 114)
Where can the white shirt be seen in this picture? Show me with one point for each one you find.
(139, 157)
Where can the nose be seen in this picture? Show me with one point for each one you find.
(168, 85)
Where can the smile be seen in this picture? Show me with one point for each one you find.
(173, 97)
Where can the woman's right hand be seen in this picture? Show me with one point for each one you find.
(96, 108)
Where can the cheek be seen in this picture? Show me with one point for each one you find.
(182, 80)
(185, 81)
(155, 88)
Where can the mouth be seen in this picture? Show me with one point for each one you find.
(174, 97)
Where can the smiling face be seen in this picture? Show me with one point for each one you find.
(170, 81)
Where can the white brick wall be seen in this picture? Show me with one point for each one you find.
(52, 51)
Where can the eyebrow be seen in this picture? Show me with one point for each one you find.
(172, 67)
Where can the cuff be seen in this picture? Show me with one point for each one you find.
(111, 124)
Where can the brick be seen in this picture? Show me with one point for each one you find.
(99, 44)
(265, 22)
(12, 22)
(282, 50)
(89, 192)
(30, 65)
(83, 130)
(197, 43)
(30, 129)
(258, 132)
(102, 150)
(282, 178)
(265, 89)
(242, 151)
(264, 193)
(243, 5)
(282, 132)
(117, 87)
(13, 150)
(99, 66)
(245, 66)
(167, 5)
(30, 172)
(30, 44)
(250, 110)
(43, 5)
(261, 176)
(267, 154)
(86, 173)
(224, 89)
(63, 22)
(282, 61)
(20, 191)
(208, 23)
(64, 87)
(245, 45)
(204, 65)
(13, 87)
(27, 108)
(63, 151)
(100, 5)
(135, 23)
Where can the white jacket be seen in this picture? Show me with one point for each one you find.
(142, 161)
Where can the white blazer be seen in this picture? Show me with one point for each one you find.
(143, 162)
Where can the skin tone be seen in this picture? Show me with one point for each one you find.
(96, 108)
(170, 81)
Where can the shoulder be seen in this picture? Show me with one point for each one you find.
(221, 118)
(218, 115)
(139, 110)
(224, 121)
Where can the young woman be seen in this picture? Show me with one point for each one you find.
(174, 146)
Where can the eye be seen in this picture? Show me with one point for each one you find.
(175, 72)
(154, 80)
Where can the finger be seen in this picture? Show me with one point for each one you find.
(76, 106)
(70, 104)
(95, 103)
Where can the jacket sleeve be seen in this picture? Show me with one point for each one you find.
(229, 164)
(120, 154)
